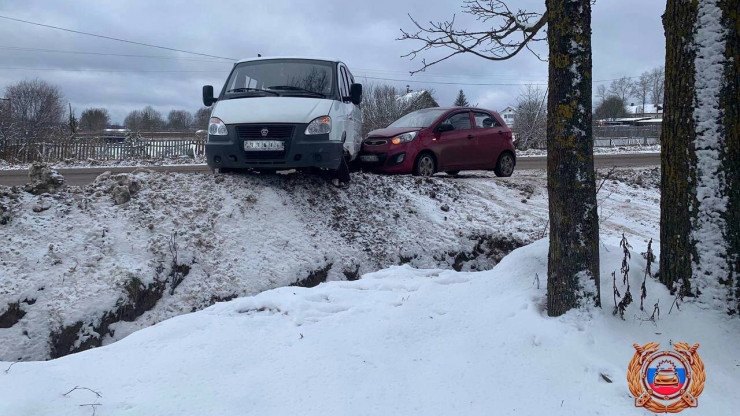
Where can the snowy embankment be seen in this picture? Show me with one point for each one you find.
(614, 150)
(78, 270)
(73, 163)
(398, 341)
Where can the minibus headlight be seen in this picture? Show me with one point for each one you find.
(216, 127)
(319, 125)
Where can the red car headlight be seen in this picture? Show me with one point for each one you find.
(404, 138)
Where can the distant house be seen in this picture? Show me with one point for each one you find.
(650, 122)
(508, 114)
(627, 121)
(415, 100)
(115, 135)
(650, 110)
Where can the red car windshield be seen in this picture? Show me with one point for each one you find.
(419, 118)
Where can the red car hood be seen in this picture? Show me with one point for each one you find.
(392, 131)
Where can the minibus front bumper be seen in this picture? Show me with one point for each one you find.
(299, 150)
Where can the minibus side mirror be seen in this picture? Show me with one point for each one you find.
(208, 98)
(355, 93)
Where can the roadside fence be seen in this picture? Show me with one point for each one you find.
(84, 147)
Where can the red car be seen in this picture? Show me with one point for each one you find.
(441, 140)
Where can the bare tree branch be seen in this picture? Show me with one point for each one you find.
(10, 366)
(500, 42)
(83, 388)
(92, 406)
(606, 177)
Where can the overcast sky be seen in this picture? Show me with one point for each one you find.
(627, 40)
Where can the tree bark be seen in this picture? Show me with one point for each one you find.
(677, 134)
(700, 203)
(730, 105)
(573, 260)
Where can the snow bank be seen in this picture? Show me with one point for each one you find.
(85, 266)
(398, 341)
(73, 163)
(85, 271)
(600, 150)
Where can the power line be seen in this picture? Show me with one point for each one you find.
(102, 70)
(431, 75)
(425, 74)
(476, 84)
(24, 49)
(112, 38)
(216, 61)
(409, 81)
(448, 83)
(221, 57)
(214, 71)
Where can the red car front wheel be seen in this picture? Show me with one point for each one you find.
(505, 165)
(425, 165)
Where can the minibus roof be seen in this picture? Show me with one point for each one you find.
(267, 58)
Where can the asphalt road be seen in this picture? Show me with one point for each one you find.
(84, 176)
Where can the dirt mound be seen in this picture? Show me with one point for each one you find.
(43, 179)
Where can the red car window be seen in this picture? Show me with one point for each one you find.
(460, 121)
(485, 120)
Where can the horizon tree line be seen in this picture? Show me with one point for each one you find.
(648, 88)
(33, 108)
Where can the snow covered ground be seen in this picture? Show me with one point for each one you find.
(398, 341)
(78, 271)
(72, 163)
(599, 150)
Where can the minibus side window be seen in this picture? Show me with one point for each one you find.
(345, 82)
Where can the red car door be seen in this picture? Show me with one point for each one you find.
(492, 137)
(455, 147)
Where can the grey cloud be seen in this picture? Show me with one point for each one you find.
(627, 40)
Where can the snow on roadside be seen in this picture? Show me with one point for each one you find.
(73, 163)
(599, 150)
(83, 258)
(108, 268)
(398, 341)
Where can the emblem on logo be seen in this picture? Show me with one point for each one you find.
(264, 132)
(666, 381)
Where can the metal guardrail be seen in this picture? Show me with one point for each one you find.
(608, 136)
(143, 146)
(649, 131)
(156, 145)
(625, 141)
(612, 136)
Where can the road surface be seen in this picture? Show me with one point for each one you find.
(84, 176)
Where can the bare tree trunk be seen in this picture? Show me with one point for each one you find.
(676, 135)
(700, 204)
(573, 261)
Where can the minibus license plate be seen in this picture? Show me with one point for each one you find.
(264, 145)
